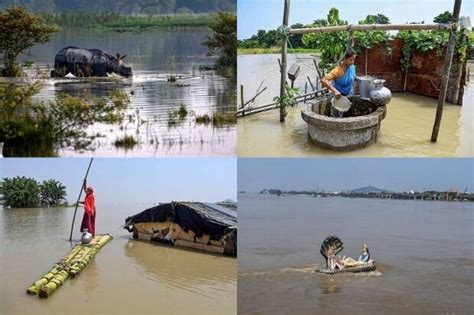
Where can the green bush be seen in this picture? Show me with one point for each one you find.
(20, 192)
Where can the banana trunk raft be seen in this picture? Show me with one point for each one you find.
(69, 267)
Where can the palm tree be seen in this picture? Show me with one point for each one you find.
(52, 193)
(19, 192)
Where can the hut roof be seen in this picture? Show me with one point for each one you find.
(202, 218)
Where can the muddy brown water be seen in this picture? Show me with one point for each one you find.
(125, 277)
(424, 251)
(405, 131)
(154, 56)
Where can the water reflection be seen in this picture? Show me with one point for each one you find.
(179, 269)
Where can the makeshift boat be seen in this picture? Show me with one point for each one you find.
(363, 268)
(203, 226)
(69, 267)
(331, 246)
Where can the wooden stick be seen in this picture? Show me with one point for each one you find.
(286, 13)
(370, 27)
(242, 96)
(253, 98)
(78, 198)
(445, 78)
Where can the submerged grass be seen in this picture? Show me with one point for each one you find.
(217, 119)
(126, 142)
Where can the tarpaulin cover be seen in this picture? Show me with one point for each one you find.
(199, 217)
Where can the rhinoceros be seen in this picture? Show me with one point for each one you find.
(88, 62)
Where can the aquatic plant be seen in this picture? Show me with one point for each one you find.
(41, 129)
(52, 193)
(126, 142)
(289, 99)
(217, 119)
(20, 30)
(20, 192)
(182, 111)
(203, 119)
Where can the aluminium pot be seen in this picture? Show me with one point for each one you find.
(366, 85)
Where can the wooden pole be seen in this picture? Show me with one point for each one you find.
(445, 78)
(241, 95)
(286, 12)
(78, 198)
(371, 27)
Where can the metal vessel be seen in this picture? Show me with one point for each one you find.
(380, 95)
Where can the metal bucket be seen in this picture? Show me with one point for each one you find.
(340, 106)
(366, 85)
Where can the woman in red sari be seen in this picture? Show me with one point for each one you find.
(88, 221)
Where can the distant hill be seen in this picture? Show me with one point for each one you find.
(126, 6)
(367, 189)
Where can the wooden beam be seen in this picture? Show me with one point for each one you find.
(371, 27)
(445, 78)
(286, 12)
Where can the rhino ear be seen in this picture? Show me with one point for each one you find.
(117, 55)
(123, 57)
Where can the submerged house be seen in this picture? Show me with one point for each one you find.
(204, 226)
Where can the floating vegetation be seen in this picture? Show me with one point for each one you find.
(177, 116)
(126, 142)
(217, 119)
(204, 119)
(172, 78)
(182, 111)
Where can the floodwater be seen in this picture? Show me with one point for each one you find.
(405, 131)
(424, 251)
(125, 277)
(153, 56)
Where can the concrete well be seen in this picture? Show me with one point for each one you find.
(358, 130)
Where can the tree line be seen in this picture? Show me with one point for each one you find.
(272, 38)
(125, 6)
(25, 192)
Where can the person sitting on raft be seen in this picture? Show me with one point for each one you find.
(365, 256)
(88, 221)
(343, 76)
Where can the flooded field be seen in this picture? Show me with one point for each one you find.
(126, 276)
(154, 56)
(423, 250)
(406, 130)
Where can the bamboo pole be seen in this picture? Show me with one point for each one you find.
(445, 78)
(78, 198)
(286, 12)
(370, 27)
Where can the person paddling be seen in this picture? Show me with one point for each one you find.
(342, 76)
(88, 221)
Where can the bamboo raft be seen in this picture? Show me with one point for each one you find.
(69, 267)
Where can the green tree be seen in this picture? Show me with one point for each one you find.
(19, 192)
(20, 30)
(223, 40)
(376, 19)
(53, 193)
(445, 17)
(333, 45)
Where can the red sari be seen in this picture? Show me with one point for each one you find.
(88, 221)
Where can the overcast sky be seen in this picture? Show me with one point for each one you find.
(344, 173)
(136, 180)
(254, 15)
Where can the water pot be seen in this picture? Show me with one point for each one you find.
(380, 95)
(86, 237)
(366, 85)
